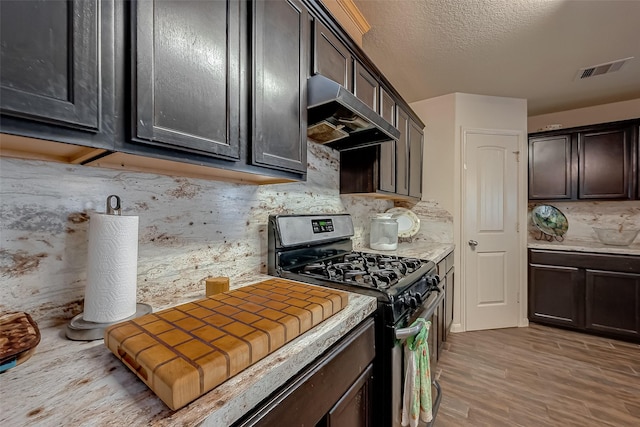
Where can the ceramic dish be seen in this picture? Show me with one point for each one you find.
(408, 222)
(549, 220)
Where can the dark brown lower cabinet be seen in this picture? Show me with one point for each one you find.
(556, 295)
(334, 390)
(435, 338)
(447, 277)
(613, 302)
(449, 295)
(595, 293)
(353, 409)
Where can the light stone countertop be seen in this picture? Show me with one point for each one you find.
(585, 246)
(435, 252)
(75, 383)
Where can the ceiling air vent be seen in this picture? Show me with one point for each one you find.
(596, 70)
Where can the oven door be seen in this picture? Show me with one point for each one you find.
(428, 311)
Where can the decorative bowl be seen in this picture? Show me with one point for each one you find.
(616, 236)
(550, 220)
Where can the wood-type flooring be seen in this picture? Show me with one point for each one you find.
(538, 376)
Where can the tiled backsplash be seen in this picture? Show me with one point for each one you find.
(189, 229)
(582, 216)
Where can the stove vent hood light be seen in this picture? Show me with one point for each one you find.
(340, 120)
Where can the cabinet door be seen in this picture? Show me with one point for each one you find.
(550, 167)
(280, 71)
(605, 164)
(636, 137)
(365, 86)
(354, 407)
(449, 295)
(433, 340)
(187, 75)
(307, 397)
(49, 61)
(416, 138)
(556, 295)
(331, 57)
(402, 152)
(387, 158)
(613, 302)
(441, 325)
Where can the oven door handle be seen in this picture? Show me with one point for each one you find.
(403, 333)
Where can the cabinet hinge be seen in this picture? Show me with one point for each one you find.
(517, 227)
(517, 153)
(518, 297)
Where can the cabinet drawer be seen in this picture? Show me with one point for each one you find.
(449, 262)
(608, 262)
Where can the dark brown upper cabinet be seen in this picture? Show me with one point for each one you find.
(598, 162)
(56, 68)
(331, 57)
(221, 84)
(605, 164)
(50, 68)
(198, 88)
(387, 153)
(187, 75)
(636, 148)
(402, 152)
(550, 163)
(416, 142)
(366, 86)
(391, 169)
(280, 71)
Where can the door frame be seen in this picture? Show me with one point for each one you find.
(522, 207)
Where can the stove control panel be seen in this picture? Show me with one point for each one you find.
(322, 225)
(296, 230)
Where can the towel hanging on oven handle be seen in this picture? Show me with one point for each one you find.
(403, 333)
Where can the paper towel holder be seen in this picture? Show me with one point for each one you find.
(83, 330)
(80, 329)
(113, 210)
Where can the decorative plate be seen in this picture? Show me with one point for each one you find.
(408, 222)
(549, 220)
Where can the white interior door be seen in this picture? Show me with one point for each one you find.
(490, 229)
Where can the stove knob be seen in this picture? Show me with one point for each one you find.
(434, 280)
(418, 297)
(413, 302)
(408, 301)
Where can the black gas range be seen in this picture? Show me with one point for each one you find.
(318, 249)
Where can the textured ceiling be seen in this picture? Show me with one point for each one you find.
(516, 48)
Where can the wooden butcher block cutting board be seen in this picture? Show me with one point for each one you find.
(185, 351)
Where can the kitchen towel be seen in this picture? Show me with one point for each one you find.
(416, 402)
(112, 270)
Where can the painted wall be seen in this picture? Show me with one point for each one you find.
(189, 229)
(439, 116)
(445, 117)
(587, 116)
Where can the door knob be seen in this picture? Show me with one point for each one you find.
(473, 243)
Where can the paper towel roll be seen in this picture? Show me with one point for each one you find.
(112, 269)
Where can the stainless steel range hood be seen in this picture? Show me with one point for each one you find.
(340, 120)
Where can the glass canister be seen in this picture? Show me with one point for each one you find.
(384, 232)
